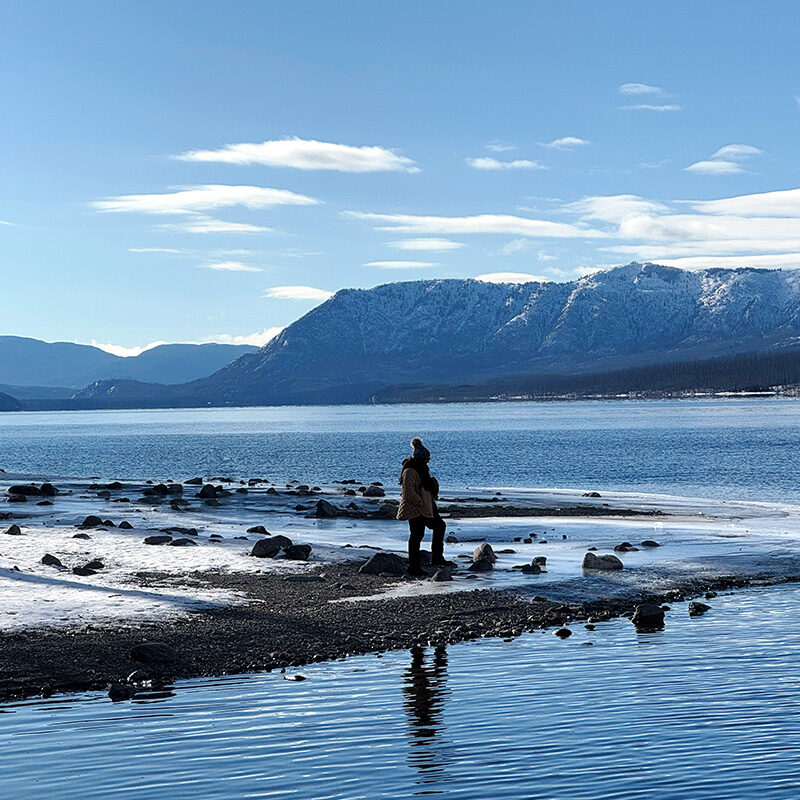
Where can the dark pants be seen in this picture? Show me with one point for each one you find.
(416, 531)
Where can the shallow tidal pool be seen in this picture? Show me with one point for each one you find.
(707, 708)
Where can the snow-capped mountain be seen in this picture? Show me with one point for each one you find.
(440, 331)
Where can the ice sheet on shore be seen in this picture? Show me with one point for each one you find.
(691, 532)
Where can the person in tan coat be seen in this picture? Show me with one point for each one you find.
(420, 490)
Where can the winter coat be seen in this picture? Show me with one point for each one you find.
(415, 500)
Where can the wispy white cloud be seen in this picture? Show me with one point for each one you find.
(122, 350)
(613, 208)
(715, 168)
(197, 199)
(480, 223)
(511, 277)
(488, 163)
(783, 203)
(499, 147)
(201, 224)
(164, 250)
(307, 154)
(773, 261)
(255, 339)
(640, 88)
(652, 107)
(726, 160)
(297, 293)
(567, 143)
(734, 152)
(521, 245)
(400, 264)
(433, 245)
(230, 266)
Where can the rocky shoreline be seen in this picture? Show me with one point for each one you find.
(290, 621)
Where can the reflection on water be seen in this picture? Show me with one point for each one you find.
(707, 709)
(425, 691)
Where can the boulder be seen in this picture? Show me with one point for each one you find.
(207, 491)
(118, 692)
(81, 536)
(625, 547)
(604, 562)
(648, 617)
(592, 494)
(27, 490)
(531, 569)
(384, 564)
(51, 561)
(326, 510)
(183, 542)
(95, 564)
(258, 529)
(442, 574)
(265, 548)
(563, 633)
(17, 498)
(13, 530)
(125, 525)
(697, 609)
(194, 482)
(450, 539)
(483, 558)
(48, 490)
(83, 571)
(540, 561)
(297, 552)
(282, 541)
(157, 539)
(154, 654)
(91, 522)
(374, 491)
(650, 543)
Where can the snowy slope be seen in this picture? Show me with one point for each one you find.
(450, 330)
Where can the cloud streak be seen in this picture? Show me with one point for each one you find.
(230, 266)
(400, 264)
(639, 89)
(197, 199)
(432, 245)
(306, 154)
(480, 223)
(567, 143)
(297, 293)
(488, 163)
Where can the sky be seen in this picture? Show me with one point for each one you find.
(210, 171)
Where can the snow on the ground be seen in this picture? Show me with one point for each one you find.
(44, 595)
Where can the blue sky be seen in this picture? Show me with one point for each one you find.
(206, 171)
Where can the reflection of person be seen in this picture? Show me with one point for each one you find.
(424, 687)
(420, 490)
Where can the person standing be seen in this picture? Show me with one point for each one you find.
(420, 490)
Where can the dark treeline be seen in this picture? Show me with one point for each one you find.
(752, 372)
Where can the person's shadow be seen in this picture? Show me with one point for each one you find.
(425, 691)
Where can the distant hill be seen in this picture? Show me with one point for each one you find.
(450, 332)
(9, 403)
(30, 362)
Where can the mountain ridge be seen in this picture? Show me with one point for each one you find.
(448, 330)
(27, 362)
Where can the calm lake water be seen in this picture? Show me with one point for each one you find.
(746, 449)
(708, 709)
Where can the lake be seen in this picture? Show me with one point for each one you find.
(727, 449)
(708, 709)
